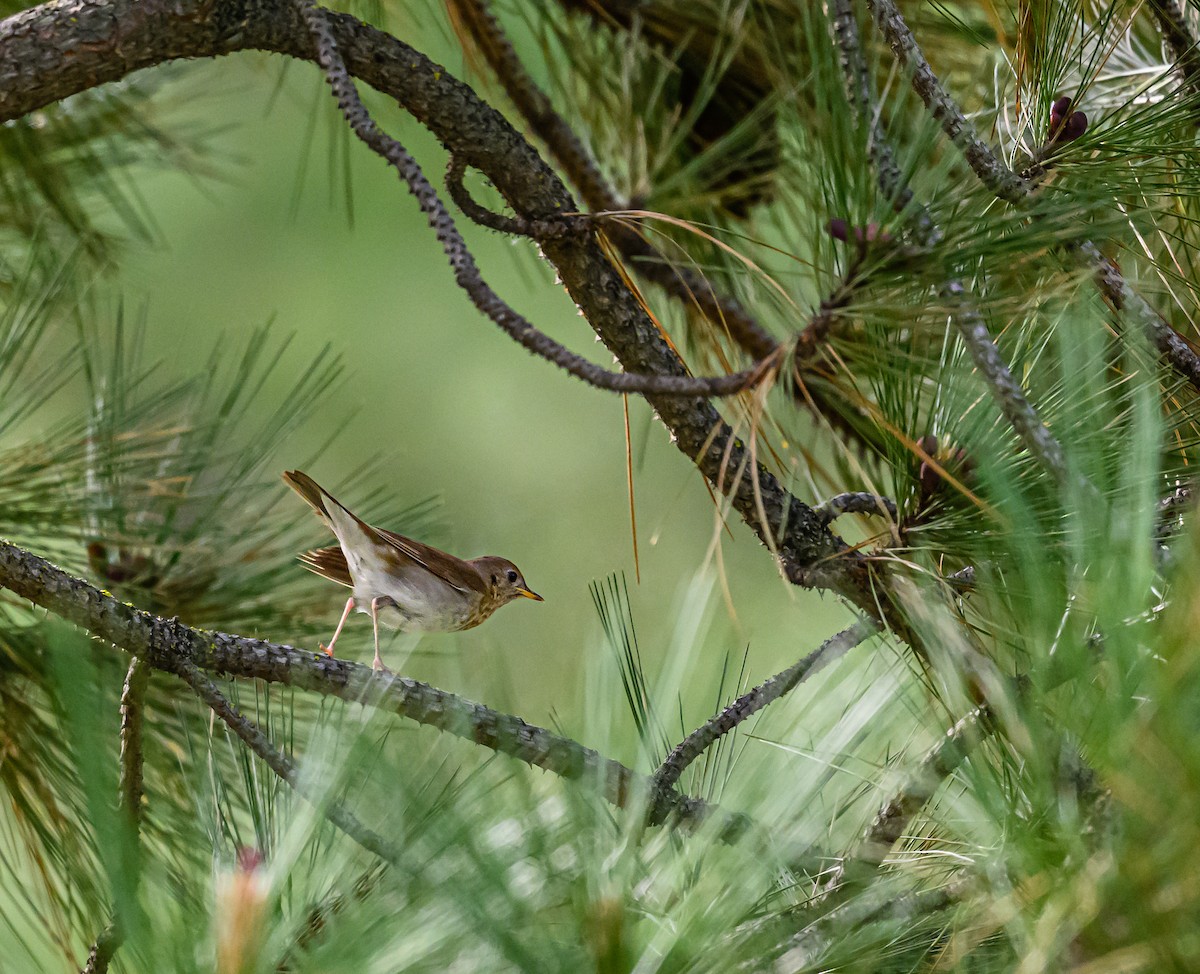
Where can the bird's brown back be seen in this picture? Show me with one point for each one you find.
(331, 562)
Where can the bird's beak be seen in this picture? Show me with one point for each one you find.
(527, 594)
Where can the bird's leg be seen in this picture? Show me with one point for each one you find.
(377, 663)
(337, 632)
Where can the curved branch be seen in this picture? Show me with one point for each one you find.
(456, 169)
(283, 766)
(568, 151)
(52, 51)
(466, 271)
(751, 702)
(170, 646)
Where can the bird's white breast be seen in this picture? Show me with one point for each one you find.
(420, 597)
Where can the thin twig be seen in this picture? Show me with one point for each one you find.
(749, 703)
(992, 172)
(130, 791)
(283, 766)
(986, 356)
(855, 502)
(170, 646)
(567, 225)
(466, 272)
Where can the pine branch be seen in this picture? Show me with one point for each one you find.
(1006, 390)
(52, 51)
(751, 702)
(133, 706)
(283, 766)
(1010, 187)
(172, 647)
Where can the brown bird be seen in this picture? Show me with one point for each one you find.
(402, 583)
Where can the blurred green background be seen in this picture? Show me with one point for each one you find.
(529, 462)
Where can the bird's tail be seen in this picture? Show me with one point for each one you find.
(312, 492)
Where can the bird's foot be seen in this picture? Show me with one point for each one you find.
(327, 650)
(378, 667)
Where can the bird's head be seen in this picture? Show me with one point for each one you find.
(504, 580)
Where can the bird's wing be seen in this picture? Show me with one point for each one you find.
(329, 563)
(455, 572)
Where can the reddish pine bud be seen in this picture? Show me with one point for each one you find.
(1076, 125)
(249, 858)
(240, 913)
(1058, 111)
(1065, 125)
(838, 229)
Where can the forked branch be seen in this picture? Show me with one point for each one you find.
(466, 271)
(170, 646)
(283, 766)
(751, 702)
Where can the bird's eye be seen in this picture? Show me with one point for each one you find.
(512, 577)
